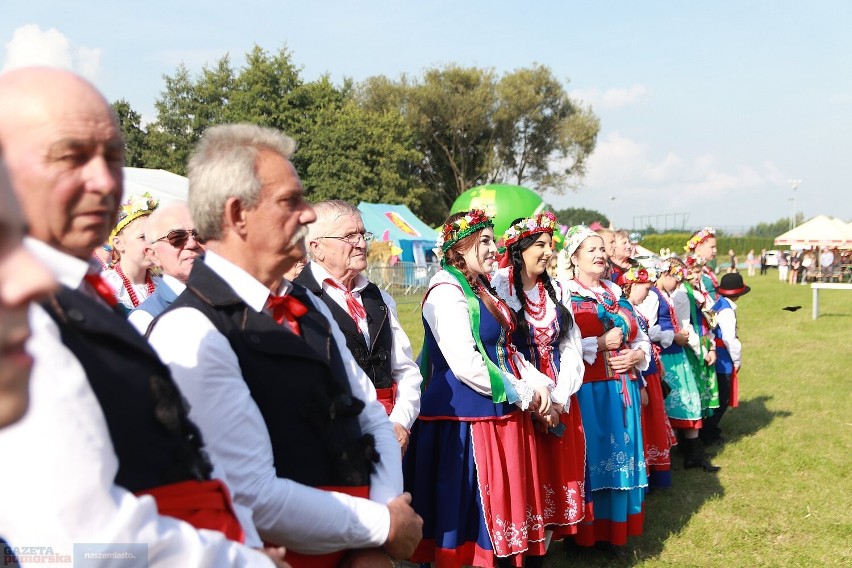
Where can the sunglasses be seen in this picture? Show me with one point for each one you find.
(179, 237)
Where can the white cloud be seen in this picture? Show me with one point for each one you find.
(611, 98)
(30, 45)
(626, 178)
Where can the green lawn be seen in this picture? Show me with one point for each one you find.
(784, 495)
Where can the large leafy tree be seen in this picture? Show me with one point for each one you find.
(135, 140)
(473, 128)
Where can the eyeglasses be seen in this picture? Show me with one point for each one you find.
(354, 238)
(179, 237)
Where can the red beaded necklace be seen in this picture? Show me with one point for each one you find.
(537, 310)
(665, 298)
(608, 300)
(134, 299)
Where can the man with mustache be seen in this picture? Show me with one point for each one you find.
(106, 419)
(278, 396)
(337, 247)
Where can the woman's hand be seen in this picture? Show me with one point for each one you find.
(710, 358)
(625, 361)
(541, 400)
(681, 337)
(610, 340)
(643, 396)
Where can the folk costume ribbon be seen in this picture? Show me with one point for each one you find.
(501, 389)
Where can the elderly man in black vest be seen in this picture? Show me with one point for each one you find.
(107, 421)
(280, 400)
(337, 248)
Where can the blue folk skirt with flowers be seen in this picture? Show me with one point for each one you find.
(610, 407)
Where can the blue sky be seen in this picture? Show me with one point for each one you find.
(707, 108)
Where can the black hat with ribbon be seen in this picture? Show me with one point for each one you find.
(732, 285)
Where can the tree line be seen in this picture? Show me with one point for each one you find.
(414, 140)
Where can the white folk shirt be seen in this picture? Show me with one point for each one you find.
(571, 368)
(404, 371)
(727, 322)
(60, 489)
(302, 518)
(446, 313)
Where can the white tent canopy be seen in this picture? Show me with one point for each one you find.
(820, 231)
(163, 185)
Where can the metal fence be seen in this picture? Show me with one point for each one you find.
(403, 278)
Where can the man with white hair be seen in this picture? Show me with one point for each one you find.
(106, 420)
(172, 245)
(281, 402)
(337, 248)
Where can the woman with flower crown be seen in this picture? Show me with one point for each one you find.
(615, 349)
(667, 310)
(130, 272)
(657, 433)
(471, 463)
(545, 333)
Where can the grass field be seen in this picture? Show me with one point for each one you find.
(784, 495)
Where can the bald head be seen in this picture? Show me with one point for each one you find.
(64, 152)
(172, 219)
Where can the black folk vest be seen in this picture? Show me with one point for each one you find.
(299, 384)
(375, 358)
(154, 440)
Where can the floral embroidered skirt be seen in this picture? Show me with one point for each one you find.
(562, 470)
(657, 434)
(476, 486)
(617, 475)
(683, 405)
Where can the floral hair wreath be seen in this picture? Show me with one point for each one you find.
(672, 265)
(699, 238)
(544, 222)
(139, 205)
(694, 261)
(639, 275)
(453, 232)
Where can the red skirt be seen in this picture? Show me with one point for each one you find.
(562, 470)
(203, 504)
(657, 433)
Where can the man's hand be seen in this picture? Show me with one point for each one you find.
(406, 528)
(367, 558)
(401, 435)
(276, 554)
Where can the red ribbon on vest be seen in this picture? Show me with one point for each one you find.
(100, 286)
(287, 308)
(356, 310)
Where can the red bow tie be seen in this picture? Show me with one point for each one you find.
(356, 310)
(100, 286)
(287, 308)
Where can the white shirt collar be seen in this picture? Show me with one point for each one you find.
(320, 274)
(247, 287)
(68, 270)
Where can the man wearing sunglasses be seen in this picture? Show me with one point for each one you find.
(107, 442)
(173, 244)
(282, 405)
(337, 248)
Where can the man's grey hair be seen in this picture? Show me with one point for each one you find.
(328, 212)
(154, 227)
(223, 165)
